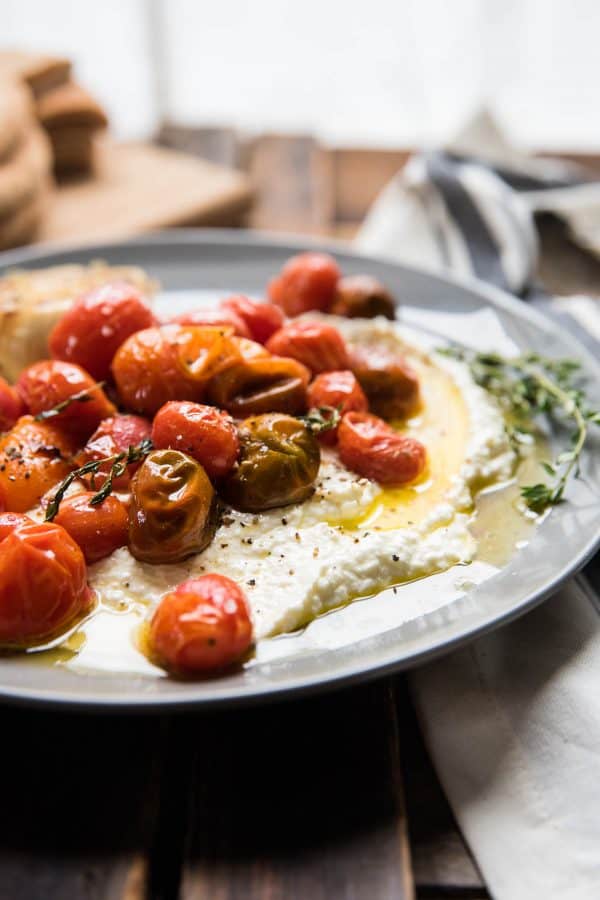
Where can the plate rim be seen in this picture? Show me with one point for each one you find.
(354, 672)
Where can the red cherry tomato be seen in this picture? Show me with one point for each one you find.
(214, 317)
(203, 432)
(113, 436)
(34, 456)
(98, 530)
(261, 319)
(307, 281)
(319, 346)
(202, 626)
(11, 405)
(92, 331)
(43, 587)
(50, 382)
(371, 448)
(340, 390)
(10, 520)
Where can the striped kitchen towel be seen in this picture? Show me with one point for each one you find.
(512, 721)
(470, 210)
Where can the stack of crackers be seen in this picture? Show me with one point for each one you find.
(26, 162)
(70, 116)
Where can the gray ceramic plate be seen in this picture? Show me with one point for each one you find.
(222, 261)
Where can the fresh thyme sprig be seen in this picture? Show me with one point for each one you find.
(118, 465)
(528, 386)
(79, 397)
(321, 418)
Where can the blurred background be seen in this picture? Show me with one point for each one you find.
(274, 114)
(383, 73)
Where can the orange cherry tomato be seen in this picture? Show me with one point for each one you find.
(261, 319)
(113, 436)
(43, 586)
(11, 405)
(317, 345)
(391, 385)
(34, 456)
(202, 626)
(98, 530)
(10, 520)
(50, 382)
(339, 390)
(203, 432)
(251, 349)
(307, 281)
(260, 385)
(225, 317)
(91, 332)
(174, 362)
(371, 448)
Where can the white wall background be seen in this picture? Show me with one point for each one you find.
(386, 72)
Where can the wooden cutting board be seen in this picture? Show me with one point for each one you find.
(140, 187)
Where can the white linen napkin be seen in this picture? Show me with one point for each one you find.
(512, 722)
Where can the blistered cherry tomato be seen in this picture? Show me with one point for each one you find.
(174, 362)
(371, 448)
(317, 345)
(172, 514)
(98, 530)
(43, 584)
(307, 281)
(50, 382)
(10, 520)
(202, 626)
(278, 465)
(91, 332)
(203, 432)
(11, 405)
(223, 316)
(261, 319)
(391, 385)
(339, 390)
(261, 385)
(113, 436)
(251, 349)
(34, 456)
(361, 296)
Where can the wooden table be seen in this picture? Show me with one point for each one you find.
(331, 798)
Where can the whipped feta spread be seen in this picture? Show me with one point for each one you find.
(299, 561)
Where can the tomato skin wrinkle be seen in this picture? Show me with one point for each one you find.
(370, 447)
(339, 390)
(43, 584)
(99, 530)
(261, 319)
(203, 432)
(91, 332)
(307, 281)
(202, 626)
(48, 384)
(317, 345)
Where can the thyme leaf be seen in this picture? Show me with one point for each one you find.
(79, 397)
(322, 418)
(527, 386)
(118, 465)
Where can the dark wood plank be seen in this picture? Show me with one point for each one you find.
(440, 856)
(292, 179)
(299, 800)
(79, 805)
(359, 175)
